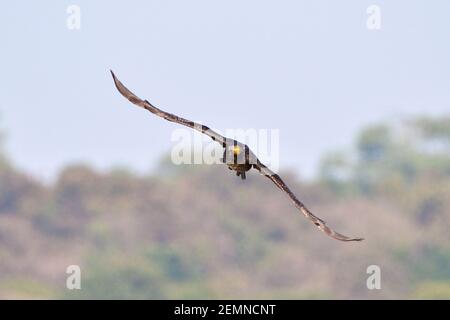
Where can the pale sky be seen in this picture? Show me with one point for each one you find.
(309, 68)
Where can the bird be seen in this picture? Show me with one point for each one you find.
(236, 155)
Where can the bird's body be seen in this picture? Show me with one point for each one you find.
(237, 156)
(240, 169)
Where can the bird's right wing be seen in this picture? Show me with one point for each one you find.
(168, 116)
(308, 214)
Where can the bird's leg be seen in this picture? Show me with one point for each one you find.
(243, 175)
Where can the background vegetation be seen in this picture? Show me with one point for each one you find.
(199, 232)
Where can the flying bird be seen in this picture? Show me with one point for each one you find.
(236, 155)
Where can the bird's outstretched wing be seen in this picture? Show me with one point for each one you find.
(168, 116)
(223, 141)
(308, 214)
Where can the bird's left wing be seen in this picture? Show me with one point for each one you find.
(168, 116)
(308, 214)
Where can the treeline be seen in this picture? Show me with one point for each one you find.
(198, 232)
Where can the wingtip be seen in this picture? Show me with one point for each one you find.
(341, 237)
(116, 81)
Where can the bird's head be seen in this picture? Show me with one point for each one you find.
(235, 150)
(235, 154)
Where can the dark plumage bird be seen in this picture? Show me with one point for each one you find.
(237, 156)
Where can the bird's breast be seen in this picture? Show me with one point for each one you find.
(239, 167)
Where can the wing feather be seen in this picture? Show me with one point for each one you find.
(168, 116)
(303, 209)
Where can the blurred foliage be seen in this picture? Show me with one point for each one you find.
(199, 232)
(432, 290)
